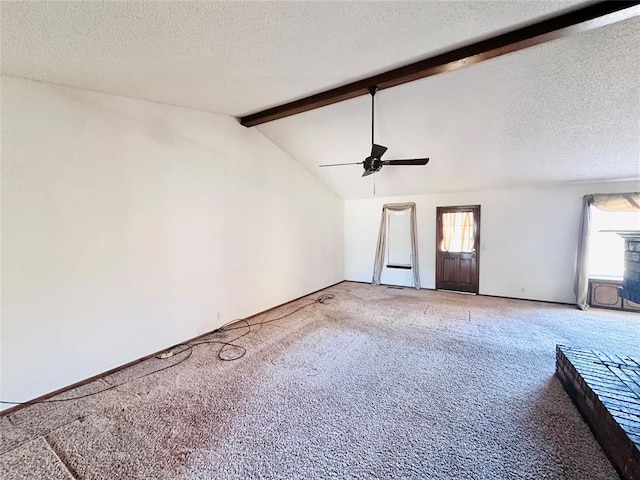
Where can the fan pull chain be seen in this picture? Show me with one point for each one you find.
(374, 183)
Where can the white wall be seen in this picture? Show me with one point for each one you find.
(528, 238)
(128, 225)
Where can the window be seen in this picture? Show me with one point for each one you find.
(606, 247)
(457, 232)
(399, 239)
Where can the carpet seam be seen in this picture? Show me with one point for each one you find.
(62, 457)
(31, 439)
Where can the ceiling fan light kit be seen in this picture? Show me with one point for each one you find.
(373, 163)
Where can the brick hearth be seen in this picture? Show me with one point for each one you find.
(606, 390)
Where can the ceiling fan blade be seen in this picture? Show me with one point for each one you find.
(340, 164)
(407, 161)
(367, 172)
(377, 150)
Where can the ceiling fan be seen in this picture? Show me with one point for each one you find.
(373, 162)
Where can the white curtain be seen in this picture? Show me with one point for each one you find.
(615, 202)
(382, 237)
(457, 232)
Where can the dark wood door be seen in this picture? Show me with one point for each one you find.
(457, 245)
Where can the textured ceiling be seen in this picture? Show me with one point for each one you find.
(564, 111)
(236, 57)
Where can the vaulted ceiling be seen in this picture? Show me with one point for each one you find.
(563, 111)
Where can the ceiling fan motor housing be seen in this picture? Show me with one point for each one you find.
(372, 164)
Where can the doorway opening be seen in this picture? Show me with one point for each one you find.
(457, 245)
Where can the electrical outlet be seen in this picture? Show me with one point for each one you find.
(219, 317)
(166, 354)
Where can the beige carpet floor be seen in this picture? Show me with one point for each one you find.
(375, 383)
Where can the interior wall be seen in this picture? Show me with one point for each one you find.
(130, 226)
(528, 238)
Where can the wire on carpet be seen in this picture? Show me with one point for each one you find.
(188, 347)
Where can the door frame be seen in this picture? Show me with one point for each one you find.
(476, 235)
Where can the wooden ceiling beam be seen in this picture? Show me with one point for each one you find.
(586, 18)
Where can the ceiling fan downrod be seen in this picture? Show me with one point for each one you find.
(372, 90)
